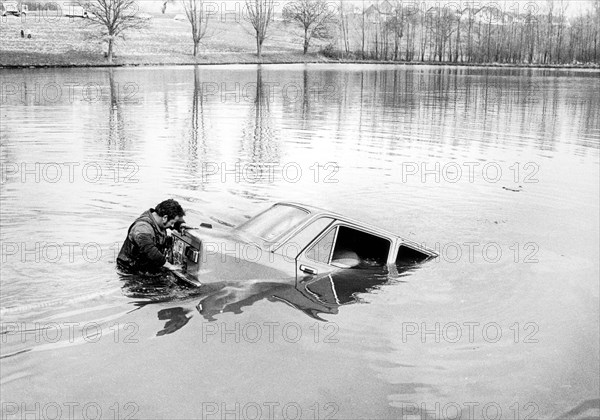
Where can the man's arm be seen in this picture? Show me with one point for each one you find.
(143, 235)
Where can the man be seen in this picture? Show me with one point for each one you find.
(145, 247)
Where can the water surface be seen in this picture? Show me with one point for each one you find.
(497, 169)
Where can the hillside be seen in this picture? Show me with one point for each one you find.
(71, 41)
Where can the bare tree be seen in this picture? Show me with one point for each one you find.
(424, 23)
(595, 24)
(115, 17)
(196, 14)
(260, 14)
(313, 15)
(343, 22)
(488, 16)
(531, 35)
(163, 9)
(441, 31)
(470, 22)
(395, 23)
(562, 7)
(411, 25)
(457, 45)
(363, 24)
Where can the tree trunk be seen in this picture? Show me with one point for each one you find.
(378, 44)
(489, 38)
(469, 42)
(196, 48)
(449, 47)
(258, 47)
(408, 38)
(110, 50)
(457, 43)
(305, 40)
(362, 48)
(423, 39)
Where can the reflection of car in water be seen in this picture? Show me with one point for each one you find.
(289, 242)
(314, 296)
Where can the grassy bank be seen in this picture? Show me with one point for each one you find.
(66, 42)
(71, 42)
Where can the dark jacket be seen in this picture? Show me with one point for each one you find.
(145, 247)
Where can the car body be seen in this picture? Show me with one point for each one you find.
(288, 242)
(12, 8)
(74, 10)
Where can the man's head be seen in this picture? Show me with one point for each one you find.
(169, 212)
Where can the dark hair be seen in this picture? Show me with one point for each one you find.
(169, 208)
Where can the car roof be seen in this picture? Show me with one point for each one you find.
(318, 211)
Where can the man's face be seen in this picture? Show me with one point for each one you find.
(167, 224)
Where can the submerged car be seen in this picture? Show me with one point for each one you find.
(289, 242)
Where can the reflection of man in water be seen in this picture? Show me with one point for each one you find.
(146, 243)
(175, 317)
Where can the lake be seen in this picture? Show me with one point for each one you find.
(495, 169)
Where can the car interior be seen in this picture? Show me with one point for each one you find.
(352, 249)
(410, 256)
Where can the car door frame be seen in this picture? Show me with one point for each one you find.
(305, 264)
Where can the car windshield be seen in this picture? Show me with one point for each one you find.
(270, 224)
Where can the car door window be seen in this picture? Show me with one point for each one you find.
(299, 241)
(321, 250)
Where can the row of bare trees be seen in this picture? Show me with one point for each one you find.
(397, 30)
(115, 17)
(473, 32)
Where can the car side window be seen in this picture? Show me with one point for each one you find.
(408, 255)
(354, 248)
(321, 250)
(345, 247)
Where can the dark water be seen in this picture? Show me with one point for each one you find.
(495, 169)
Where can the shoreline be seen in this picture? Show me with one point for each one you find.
(317, 60)
(72, 43)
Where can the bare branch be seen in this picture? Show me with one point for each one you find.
(260, 14)
(115, 17)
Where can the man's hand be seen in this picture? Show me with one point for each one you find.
(173, 267)
(180, 226)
